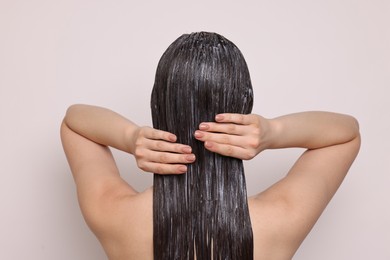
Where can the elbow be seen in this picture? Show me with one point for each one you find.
(357, 132)
(71, 111)
(357, 137)
(352, 132)
(355, 127)
(66, 116)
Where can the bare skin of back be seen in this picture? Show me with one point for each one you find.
(281, 216)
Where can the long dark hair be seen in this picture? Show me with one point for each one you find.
(204, 212)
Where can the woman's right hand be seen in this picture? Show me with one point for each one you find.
(156, 151)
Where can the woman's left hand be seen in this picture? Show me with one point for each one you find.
(235, 135)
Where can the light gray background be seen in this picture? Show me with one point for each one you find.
(303, 55)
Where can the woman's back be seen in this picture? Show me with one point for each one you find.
(281, 216)
(126, 229)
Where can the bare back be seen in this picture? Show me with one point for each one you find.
(281, 216)
(133, 236)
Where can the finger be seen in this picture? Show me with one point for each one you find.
(230, 150)
(164, 146)
(220, 138)
(169, 158)
(234, 118)
(160, 168)
(228, 128)
(156, 134)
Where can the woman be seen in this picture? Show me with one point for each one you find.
(197, 208)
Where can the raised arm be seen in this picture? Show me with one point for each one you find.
(154, 150)
(294, 203)
(244, 136)
(86, 134)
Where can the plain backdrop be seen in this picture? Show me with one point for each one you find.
(303, 55)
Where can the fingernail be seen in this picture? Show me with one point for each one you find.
(172, 138)
(198, 134)
(187, 149)
(218, 117)
(183, 168)
(208, 144)
(190, 157)
(203, 126)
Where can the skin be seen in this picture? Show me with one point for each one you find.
(281, 216)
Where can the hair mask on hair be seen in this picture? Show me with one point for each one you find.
(204, 212)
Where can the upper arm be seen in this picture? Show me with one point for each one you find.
(317, 174)
(94, 171)
(310, 185)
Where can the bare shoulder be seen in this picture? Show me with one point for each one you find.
(284, 214)
(126, 230)
(270, 218)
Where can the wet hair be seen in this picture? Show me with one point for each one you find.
(204, 212)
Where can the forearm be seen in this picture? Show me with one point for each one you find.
(102, 126)
(311, 130)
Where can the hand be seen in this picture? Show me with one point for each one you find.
(156, 151)
(235, 135)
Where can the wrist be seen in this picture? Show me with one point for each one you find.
(273, 133)
(130, 137)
